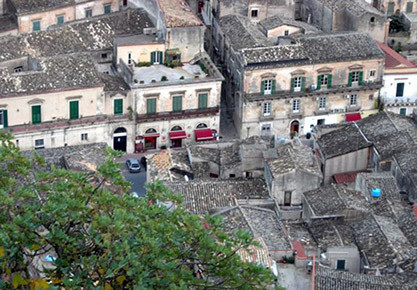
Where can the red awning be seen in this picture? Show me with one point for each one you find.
(203, 134)
(353, 117)
(151, 135)
(177, 135)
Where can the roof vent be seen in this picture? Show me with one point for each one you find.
(376, 192)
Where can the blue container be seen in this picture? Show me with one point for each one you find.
(376, 192)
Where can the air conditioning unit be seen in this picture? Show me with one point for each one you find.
(313, 88)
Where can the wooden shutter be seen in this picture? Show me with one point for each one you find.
(5, 119)
(303, 82)
(273, 88)
(329, 81)
(118, 106)
(360, 78)
(262, 87)
(292, 84)
(177, 103)
(350, 80)
(319, 82)
(202, 101)
(160, 57)
(151, 106)
(74, 110)
(36, 114)
(153, 57)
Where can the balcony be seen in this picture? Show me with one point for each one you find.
(295, 114)
(355, 108)
(267, 117)
(311, 91)
(399, 101)
(323, 111)
(177, 115)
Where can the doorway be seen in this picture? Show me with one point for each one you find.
(295, 127)
(151, 139)
(287, 198)
(120, 139)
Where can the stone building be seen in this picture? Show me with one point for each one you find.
(395, 6)
(290, 171)
(399, 93)
(38, 15)
(175, 85)
(346, 15)
(288, 85)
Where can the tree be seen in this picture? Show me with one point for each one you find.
(102, 237)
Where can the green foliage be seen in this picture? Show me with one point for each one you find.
(102, 237)
(396, 24)
(143, 64)
(164, 79)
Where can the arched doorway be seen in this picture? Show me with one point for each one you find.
(150, 139)
(176, 135)
(120, 139)
(201, 126)
(295, 127)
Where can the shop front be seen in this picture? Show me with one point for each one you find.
(151, 139)
(176, 136)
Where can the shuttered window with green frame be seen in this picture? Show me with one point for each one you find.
(202, 100)
(118, 106)
(268, 86)
(4, 118)
(36, 114)
(157, 57)
(355, 77)
(320, 82)
(177, 103)
(151, 106)
(74, 110)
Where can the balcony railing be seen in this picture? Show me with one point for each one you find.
(311, 91)
(177, 115)
(397, 101)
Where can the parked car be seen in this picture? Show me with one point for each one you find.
(133, 165)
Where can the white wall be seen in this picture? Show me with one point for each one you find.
(390, 86)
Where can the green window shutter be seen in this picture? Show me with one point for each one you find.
(350, 80)
(36, 25)
(60, 19)
(274, 85)
(152, 57)
(5, 119)
(303, 82)
(202, 101)
(263, 87)
(160, 56)
(177, 104)
(329, 81)
(74, 113)
(151, 106)
(319, 82)
(36, 114)
(107, 9)
(409, 7)
(118, 107)
(360, 78)
(292, 84)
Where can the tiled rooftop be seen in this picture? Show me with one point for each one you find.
(34, 6)
(177, 13)
(355, 7)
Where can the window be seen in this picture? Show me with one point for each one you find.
(107, 8)
(39, 144)
(254, 13)
(340, 265)
(353, 100)
(104, 55)
(124, 2)
(322, 103)
(151, 106)
(372, 73)
(355, 78)
(372, 20)
(3, 119)
(18, 69)
(297, 84)
(324, 81)
(84, 137)
(287, 198)
(286, 32)
(266, 109)
(248, 174)
(88, 13)
(202, 100)
(129, 58)
(156, 57)
(201, 126)
(296, 106)
(232, 175)
(118, 106)
(400, 90)
(177, 103)
(36, 25)
(36, 114)
(17, 143)
(390, 7)
(74, 113)
(403, 111)
(268, 86)
(60, 19)
(266, 129)
(409, 8)
(321, 121)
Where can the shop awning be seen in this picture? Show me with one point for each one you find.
(353, 117)
(151, 135)
(177, 135)
(203, 135)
